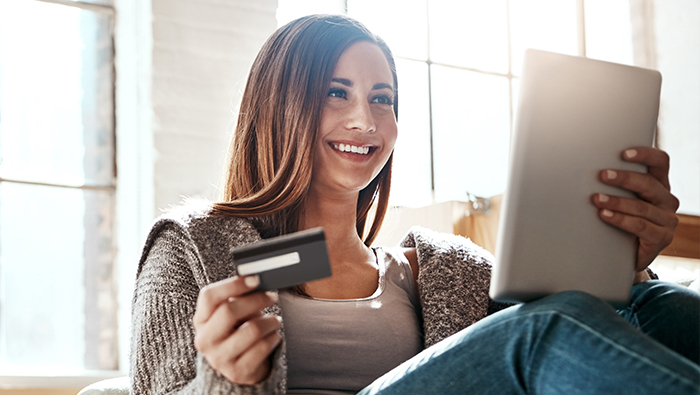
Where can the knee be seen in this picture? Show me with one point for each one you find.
(666, 295)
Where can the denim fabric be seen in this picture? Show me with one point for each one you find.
(678, 328)
(568, 343)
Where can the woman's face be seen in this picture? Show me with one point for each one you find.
(358, 127)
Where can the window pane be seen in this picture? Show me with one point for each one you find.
(101, 2)
(609, 31)
(401, 23)
(549, 25)
(53, 245)
(410, 184)
(471, 132)
(470, 33)
(56, 94)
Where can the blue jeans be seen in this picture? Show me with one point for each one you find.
(568, 343)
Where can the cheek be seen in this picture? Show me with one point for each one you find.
(325, 126)
(395, 134)
(391, 133)
(329, 119)
(322, 125)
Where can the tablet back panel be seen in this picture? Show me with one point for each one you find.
(575, 117)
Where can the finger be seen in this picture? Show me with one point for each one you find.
(643, 185)
(658, 162)
(248, 334)
(636, 208)
(254, 359)
(230, 315)
(211, 296)
(648, 233)
(228, 352)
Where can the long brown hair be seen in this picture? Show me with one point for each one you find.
(271, 154)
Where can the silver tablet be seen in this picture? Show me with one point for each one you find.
(575, 116)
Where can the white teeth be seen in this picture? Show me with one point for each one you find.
(351, 148)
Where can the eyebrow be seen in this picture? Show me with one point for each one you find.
(348, 83)
(343, 81)
(382, 85)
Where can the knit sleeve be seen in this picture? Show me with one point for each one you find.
(163, 358)
(453, 282)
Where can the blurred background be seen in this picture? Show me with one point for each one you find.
(114, 110)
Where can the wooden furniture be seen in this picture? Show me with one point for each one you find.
(686, 241)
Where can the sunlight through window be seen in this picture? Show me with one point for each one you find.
(56, 187)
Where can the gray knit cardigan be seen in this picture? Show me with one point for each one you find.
(188, 249)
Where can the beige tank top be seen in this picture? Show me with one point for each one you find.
(341, 346)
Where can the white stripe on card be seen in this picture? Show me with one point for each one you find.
(267, 264)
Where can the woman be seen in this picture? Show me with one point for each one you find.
(313, 147)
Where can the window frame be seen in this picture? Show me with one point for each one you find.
(41, 377)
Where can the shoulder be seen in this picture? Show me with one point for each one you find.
(190, 233)
(193, 219)
(453, 281)
(411, 255)
(404, 257)
(432, 246)
(196, 216)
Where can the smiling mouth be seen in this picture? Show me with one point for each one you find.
(352, 149)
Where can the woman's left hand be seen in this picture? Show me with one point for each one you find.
(652, 217)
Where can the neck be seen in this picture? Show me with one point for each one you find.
(337, 215)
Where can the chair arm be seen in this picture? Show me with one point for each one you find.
(115, 386)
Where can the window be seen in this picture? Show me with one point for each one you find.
(57, 187)
(458, 65)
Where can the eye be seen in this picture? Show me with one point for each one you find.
(337, 92)
(383, 99)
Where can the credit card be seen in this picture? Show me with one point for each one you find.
(285, 261)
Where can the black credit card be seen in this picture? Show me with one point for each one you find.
(285, 261)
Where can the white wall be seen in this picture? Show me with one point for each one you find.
(288, 10)
(202, 51)
(180, 66)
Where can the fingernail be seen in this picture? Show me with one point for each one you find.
(603, 197)
(612, 174)
(631, 153)
(607, 213)
(252, 281)
(273, 295)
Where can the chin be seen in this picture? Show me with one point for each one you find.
(354, 186)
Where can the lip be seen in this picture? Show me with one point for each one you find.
(350, 155)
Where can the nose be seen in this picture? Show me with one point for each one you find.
(360, 117)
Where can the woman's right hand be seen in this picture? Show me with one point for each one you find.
(231, 331)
